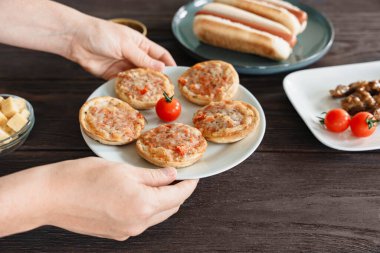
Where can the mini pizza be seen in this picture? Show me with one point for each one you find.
(176, 145)
(209, 81)
(142, 88)
(111, 121)
(226, 121)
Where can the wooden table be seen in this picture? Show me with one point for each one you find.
(292, 195)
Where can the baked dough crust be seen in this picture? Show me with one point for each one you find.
(226, 121)
(111, 121)
(172, 145)
(142, 87)
(267, 10)
(224, 33)
(248, 19)
(209, 81)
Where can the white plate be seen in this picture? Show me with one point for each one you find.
(217, 158)
(308, 91)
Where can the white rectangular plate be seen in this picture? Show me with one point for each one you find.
(308, 91)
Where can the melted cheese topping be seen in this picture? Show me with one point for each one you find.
(173, 142)
(114, 120)
(223, 116)
(141, 85)
(208, 80)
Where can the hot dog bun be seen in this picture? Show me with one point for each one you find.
(268, 10)
(235, 36)
(297, 12)
(249, 19)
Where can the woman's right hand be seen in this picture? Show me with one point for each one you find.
(90, 196)
(113, 200)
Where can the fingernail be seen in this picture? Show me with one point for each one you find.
(158, 65)
(170, 172)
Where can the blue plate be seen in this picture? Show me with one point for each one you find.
(312, 44)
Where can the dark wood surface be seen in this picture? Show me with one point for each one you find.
(292, 195)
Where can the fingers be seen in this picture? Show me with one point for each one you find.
(141, 59)
(115, 68)
(160, 217)
(167, 58)
(157, 177)
(146, 53)
(171, 196)
(160, 53)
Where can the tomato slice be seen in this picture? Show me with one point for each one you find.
(144, 90)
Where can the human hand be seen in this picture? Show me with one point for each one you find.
(99, 46)
(104, 49)
(113, 200)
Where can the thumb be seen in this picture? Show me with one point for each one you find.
(158, 177)
(141, 59)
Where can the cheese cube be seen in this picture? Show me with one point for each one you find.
(3, 135)
(8, 130)
(1, 100)
(20, 103)
(25, 113)
(9, 107)
(17, 122)
(3, 119)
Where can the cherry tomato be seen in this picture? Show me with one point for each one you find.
(363, 124)
(168, 108)
(337, 120)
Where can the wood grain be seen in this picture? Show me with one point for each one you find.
(292, 195)
(322, 203)
(69, 96)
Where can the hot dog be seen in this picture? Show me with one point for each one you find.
(249, 19)
(224, 33)
(279, 11)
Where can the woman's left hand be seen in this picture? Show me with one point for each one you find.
(104, 49)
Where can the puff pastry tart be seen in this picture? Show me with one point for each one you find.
(226, 121)
(111, 121)
(142, 88)
(176, 145)
(209, 81)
